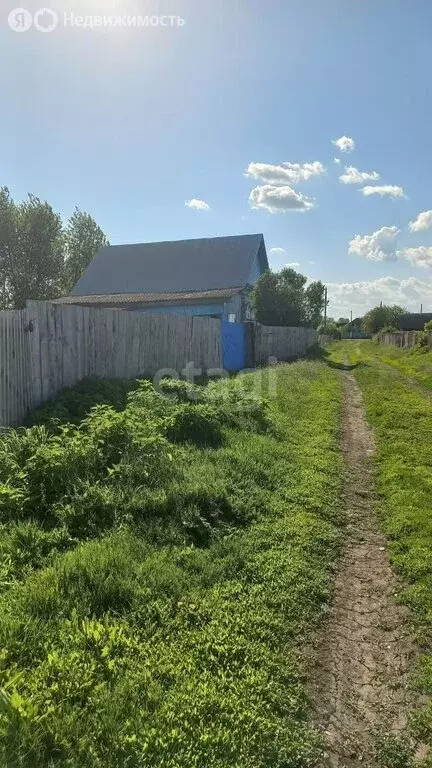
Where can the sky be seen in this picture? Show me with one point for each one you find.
(306, 120)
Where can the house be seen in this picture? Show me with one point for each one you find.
(208, 276)
(414, 321)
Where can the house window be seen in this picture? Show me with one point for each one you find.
(231, 317)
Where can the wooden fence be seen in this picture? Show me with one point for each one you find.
(282, 343)
(47, 347)
(402, 339)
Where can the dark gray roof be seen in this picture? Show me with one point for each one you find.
(414, 321)
(179, 265)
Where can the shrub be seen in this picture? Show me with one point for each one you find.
(423, 336)
(199, 424)
(75, 403)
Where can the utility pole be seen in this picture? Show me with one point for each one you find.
(421, 309)
(325, 309)
(351, 315)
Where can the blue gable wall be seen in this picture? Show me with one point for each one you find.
(259, 265)
(255, 271)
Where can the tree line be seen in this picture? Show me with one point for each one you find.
(41, 257)
(383, 318)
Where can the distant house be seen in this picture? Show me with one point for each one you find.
(414, 321)
(209, 276)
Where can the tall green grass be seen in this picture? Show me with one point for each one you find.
(401, 417)
(202, 537)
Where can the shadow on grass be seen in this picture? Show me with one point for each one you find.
(342, 366)
(322, 354)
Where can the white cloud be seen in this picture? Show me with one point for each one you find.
(277, 252)
(423, 221)
(197, 205)
(293, 264)
(285, 173)
(337, 160)
(354, 176)
(362, 296)
(378, 246)
(279, 199)
(385, 190)
(419, 257)
(344, 143)
(312, 262)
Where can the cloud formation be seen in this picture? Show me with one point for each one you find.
(423, 221)
(378, 246)
(354, 176)
(384, 190)
(197, 205)
(277, 252)
(418, 257)
(362, 296)
(344, 143)
(285, 173)
(277, 199)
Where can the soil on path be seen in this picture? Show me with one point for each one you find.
(361, 683)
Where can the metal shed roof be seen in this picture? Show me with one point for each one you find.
(172, 267)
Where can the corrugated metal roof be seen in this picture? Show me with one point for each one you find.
(148, 298)
(173, 266)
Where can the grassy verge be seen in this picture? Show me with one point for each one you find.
(401, 417)
(201, 539)
(415, 363)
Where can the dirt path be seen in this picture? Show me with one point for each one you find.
(361, 686)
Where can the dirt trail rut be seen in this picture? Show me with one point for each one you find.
(361, 684)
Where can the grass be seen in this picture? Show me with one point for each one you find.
(75, 403)
(401, 416)
(414, 363)
(164, 568)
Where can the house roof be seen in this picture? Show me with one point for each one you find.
(414, 321)
(173, 266)
(115, 299)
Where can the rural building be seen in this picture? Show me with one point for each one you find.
(414, 321)
(209, 276)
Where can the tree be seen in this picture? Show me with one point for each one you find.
(7, 240)
(315, 301)
(38, 257)
(31, 247)
(382, 317)
(83, 238)
(330, 329)
(281, 298)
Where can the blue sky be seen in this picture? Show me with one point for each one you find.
(131, 123)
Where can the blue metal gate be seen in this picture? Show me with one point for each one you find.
(233, 346)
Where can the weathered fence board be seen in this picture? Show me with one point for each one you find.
(407, 339)
(282, 343)
(15, 369)
(404, 339)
